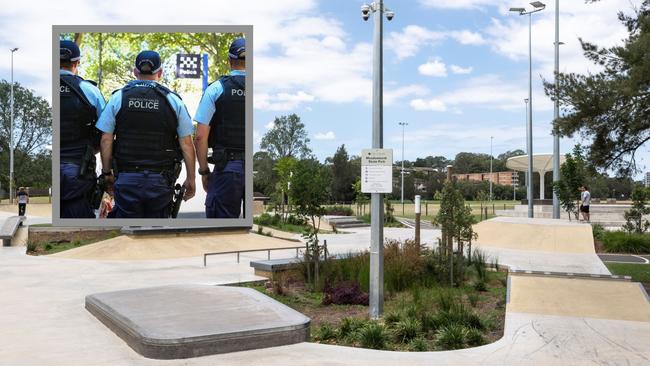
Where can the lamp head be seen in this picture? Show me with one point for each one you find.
(518, 10)
(538, 4)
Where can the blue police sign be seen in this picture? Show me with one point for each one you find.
(188, 66)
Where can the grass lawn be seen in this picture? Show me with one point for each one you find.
(638, 272)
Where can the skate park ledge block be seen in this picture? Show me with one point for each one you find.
(184, 321)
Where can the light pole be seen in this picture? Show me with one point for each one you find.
(11, 132)
(556, 113)
(491, 138)
(526, 176)
(376, 300)
(403, 124)
(539, 6)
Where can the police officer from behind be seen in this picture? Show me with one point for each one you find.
(147, 131)
(81, 105)
(221, 126)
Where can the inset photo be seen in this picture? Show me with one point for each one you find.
(152, 125)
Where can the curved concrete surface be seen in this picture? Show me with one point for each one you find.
(131, 247)
(45, 296)
(541, 235)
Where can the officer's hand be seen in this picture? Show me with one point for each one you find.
(205, 179)
(190, 189)
(110, 181)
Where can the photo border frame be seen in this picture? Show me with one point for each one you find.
(245, 222)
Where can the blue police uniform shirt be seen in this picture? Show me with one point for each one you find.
(106, 122)
(206, 110)
(91, 92)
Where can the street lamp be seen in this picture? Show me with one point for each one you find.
(556, 113)
(403, 124)
(491, 138)
(376, 300)
(11, 132)
(526, 175)
(539, 6)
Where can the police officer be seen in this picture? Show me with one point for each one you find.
(81, 105)
(147, 131)
(221, 126)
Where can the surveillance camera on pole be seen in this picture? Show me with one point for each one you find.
(366, 9)
(390, 14)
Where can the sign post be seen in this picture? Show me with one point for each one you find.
(418, 213)
(377, 170)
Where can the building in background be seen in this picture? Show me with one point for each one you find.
(507, 178)
(646, 181)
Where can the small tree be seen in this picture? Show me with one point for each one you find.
(309, 192)
(456, 220)
(634, 216)
(572, 177)
(284, 170)
(360, 198)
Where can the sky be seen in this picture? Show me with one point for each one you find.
(455, 70)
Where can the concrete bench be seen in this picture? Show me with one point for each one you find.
(9, 229)
(268, 251)
(267, 268)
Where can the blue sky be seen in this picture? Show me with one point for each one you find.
(454, 70)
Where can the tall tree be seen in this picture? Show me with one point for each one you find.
(343, 175)
(32, 135)
(572, 177)
(610, 107)
(435, 162)
(264, 177)
(287, 138)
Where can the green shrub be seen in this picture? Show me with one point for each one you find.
(445, 300)
(373, 335)
(460, 315)
(267, 219)
(296, 220)
(349, 326)
(474, 337)
(31, 247)
(393, 317)
(451, 337)
(598, 231)
(339, 210)
(418, 344)
(480, 286)
(473, 299)
(407, 329)
(621, 242)
(48, 246)
(326, 332)
(429, 322)
(479, 261)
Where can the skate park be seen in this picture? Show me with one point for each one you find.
(563, 305)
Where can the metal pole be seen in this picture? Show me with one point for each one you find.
(491, 138)
(530, 117)
(556, 113)
(11, 131)
(376, 199)
(403, 125)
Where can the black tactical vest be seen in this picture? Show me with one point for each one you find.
(145, 129)
(227, 126)
(78, 117)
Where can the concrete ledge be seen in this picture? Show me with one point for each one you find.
(183, 321)
(156, 230)
(583, 276)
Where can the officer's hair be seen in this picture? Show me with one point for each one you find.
(237, 63)
(68, 63)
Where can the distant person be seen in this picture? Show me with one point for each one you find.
(147, 133)
(221, 127)
(23, 199)
(81, 105)
(585, 200)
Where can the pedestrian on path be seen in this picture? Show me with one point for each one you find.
(23, 200)
(585, 200)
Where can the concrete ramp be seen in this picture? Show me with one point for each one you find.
(541, 235)
(170, 246)
(578, 297)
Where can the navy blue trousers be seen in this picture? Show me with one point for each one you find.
(142, 195)
(225, 192)
(74, 193)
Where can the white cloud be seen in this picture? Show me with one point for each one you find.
(269, 125)
(391, 95)
(412, 38)
(459, 4)
(281, 101)
(329, 135)
(436, 105)
(460, 70)
(435, 68)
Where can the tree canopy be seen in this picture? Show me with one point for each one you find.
(610, 108)
(287, 138)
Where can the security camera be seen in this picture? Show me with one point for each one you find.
(365, 11)
(390, 14)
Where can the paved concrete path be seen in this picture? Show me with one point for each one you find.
(44, 321)
(410, 223)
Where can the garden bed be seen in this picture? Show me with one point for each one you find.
(421, 313)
